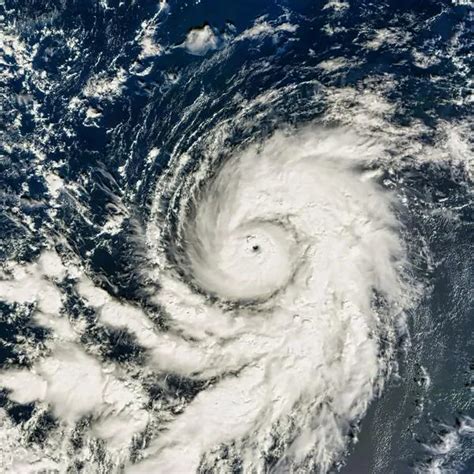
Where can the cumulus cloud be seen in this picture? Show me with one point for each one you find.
(200, 41)
(70, 382)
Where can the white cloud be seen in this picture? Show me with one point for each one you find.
(199, 41)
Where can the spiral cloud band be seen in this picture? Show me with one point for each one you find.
(285, 272)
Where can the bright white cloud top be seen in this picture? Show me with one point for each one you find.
(294, 245)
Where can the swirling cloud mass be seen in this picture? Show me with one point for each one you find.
(293, 254)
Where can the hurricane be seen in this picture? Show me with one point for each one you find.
(236, 240)
(291, 267)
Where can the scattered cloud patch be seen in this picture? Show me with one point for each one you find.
(71, 382)
(104, 86)
(337, 5)
(264, 28)
(334, 64)
(387, 36)
(150, 47)
(200, 41)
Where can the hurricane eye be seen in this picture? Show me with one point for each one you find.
(246, 262)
